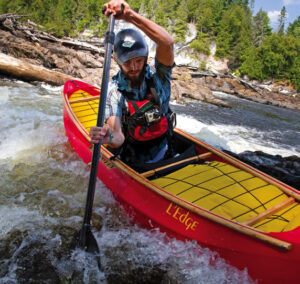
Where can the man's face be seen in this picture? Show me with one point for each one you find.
(133, 69)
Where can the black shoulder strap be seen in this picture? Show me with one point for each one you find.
(152, 89)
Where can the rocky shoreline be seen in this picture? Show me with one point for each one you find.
(83, 59)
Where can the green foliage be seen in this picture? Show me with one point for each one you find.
(246, 40)
(252, 64)
(282, 18)
(294, 28)
(261, 28)
(180, 27)
(203, 66)
(201, 44)
(235, 34)
(278, 57)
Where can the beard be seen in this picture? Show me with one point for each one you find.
(134, 76)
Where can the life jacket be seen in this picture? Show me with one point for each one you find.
(144, 125)
(144, 121)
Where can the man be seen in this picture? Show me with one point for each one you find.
(131, 112)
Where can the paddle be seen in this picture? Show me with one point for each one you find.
(85, 238)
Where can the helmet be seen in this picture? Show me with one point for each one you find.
(129, 43)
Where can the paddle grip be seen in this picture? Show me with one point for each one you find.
(104, 9)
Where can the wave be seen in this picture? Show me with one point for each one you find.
(235, 138)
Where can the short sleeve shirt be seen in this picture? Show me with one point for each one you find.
(116, 102)
(161, 75)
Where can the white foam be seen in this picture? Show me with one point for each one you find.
(189, 124)
(4, 94)
(234, 138)
(149, 250)
(20, 218)
(52, 89)
(26, 140)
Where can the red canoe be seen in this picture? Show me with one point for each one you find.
(251, 219)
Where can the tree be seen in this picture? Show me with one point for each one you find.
(181, 22)
(261, 28)
(277, 57)
(208, 14)
(135, 4)
(252, 64)
(235, 34)
(294, 28)
(282, 19)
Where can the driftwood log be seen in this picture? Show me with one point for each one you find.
(28, 72)
(31, 54)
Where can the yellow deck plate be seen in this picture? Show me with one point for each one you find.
(86, 112)
(230, 192)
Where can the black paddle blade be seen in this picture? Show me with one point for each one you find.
(84, 239)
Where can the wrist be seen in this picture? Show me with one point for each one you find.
(129, 16)
(111, 136)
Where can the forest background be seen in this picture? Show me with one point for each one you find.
(245, 39)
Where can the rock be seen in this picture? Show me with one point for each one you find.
(77, 59)
(286, 169)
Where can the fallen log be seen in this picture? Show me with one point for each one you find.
(25, 71)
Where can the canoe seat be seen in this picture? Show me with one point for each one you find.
(177, 165)
(142, 168)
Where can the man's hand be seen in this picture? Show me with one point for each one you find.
(119, 8)
(100, 134)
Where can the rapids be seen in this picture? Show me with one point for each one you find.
(43, 189)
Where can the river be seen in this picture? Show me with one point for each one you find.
(43, 189)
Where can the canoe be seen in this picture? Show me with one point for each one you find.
(251, 219)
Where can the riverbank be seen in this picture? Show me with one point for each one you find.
(29, 54)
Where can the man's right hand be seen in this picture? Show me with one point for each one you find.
(100, 134)
(119, 8)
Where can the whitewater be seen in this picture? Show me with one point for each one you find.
(43, 188)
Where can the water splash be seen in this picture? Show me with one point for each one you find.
(43, 189)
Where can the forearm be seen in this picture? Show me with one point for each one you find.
(111, 133)
(117, 134)
(163, 40)
(155, 32)
(117, 139)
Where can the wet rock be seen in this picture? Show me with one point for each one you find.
(285, 169)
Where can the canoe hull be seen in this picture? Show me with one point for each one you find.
(264, 262)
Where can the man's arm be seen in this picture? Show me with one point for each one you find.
(164, 42)
(104, 135)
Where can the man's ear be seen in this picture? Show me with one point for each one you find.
(116, 61)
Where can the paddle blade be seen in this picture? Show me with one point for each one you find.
(84, 239)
